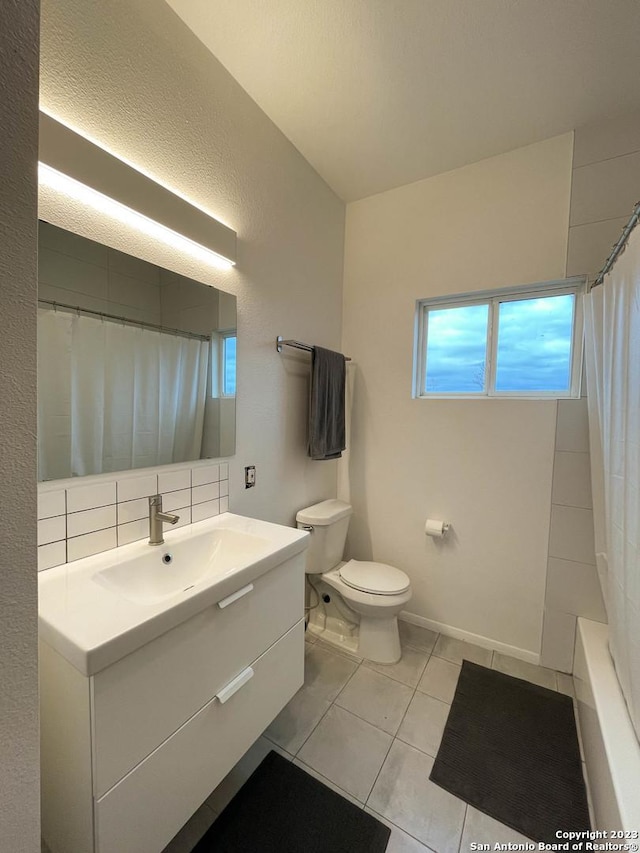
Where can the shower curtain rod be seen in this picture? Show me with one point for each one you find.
(619, 246)
(79, 310)
(297, 345)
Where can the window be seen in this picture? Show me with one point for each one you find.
(524, 342)
(223, 364)
(229, 365)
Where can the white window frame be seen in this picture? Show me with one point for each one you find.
(493, 298)
(218, 343)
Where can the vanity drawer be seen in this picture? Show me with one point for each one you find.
(142, 699)
(145, 810)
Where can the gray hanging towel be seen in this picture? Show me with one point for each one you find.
(326, 408)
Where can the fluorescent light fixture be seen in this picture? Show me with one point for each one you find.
(78, 168)
(49, 177)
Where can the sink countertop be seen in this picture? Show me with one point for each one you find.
(93, 625)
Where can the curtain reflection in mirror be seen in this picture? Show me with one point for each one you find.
(114, 396)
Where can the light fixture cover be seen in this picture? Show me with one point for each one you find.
(71, 154)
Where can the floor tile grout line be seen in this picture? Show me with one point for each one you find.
(368, 722)
(395, 737)
(343, 688)
(417, 748)
(402, 684)
(421, 648)
(397, 680)
(326, 711)
(331, 782)
(320, 719)
(464, 823)
(331, 704)
(373, 785)
(397, 826)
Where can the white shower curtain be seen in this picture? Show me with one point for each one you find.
(113, 397)
(612, 329)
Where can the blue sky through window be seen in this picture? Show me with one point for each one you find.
(229, 367)
(533, 352)
(456, 349)
(534, 344)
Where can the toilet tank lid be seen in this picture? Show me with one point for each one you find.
(326, 512)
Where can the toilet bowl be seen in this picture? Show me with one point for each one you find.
(373, 592)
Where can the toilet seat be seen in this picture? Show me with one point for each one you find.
(375, 578)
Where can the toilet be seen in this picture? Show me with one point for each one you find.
(370, 594)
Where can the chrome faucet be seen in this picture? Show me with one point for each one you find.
(156, 518)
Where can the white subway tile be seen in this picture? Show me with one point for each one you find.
(205, 510)
(224, 470)
(574, 588)
(224, 488)
(589, 244)
(90, 520)
(558, 638)
(572, 432)
(205, 474)
(91, 543)
(224, 504)
(54, 554)
(604, 190)
(606, 139)
(89, 497)
(61, 270)
(132, 488)
(185, 517)
(572, 480)
(172, 501)
(571, 534)
(565, 684)
(51, 503)
(51, 529)
(133, 267)
(172, 481)
(200, 494)
(133, 510)
(133, 531)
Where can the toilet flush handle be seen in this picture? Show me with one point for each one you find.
(308, 527)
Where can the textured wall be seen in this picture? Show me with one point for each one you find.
(19, 786)
(484, 465)
(133, 77)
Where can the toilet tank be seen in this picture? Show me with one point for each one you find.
(330, 522)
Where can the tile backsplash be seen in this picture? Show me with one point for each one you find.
(76, 521)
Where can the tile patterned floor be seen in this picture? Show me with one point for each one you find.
(371, 732)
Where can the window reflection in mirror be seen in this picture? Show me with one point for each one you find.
(136, 364)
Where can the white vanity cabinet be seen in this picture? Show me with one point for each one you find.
(130, 752)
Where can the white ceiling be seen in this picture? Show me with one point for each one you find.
(380, 93)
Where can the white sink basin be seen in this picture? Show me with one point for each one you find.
(163, 572)
(96, 610)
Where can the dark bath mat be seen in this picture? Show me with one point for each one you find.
(281, 809)
(510, 749)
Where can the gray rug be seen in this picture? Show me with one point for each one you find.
(510, 749)
(281, 809)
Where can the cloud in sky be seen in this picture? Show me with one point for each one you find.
(534, 346)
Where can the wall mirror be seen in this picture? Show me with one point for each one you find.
(136, 364)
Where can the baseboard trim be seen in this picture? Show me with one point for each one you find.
(476, 639)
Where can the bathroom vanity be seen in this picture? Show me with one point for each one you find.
(157, 675)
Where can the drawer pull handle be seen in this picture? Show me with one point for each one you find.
(233, 686)
(236, 595)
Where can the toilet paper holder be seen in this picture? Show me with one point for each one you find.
(436, 528)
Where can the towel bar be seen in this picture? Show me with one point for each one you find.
(297, 345)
